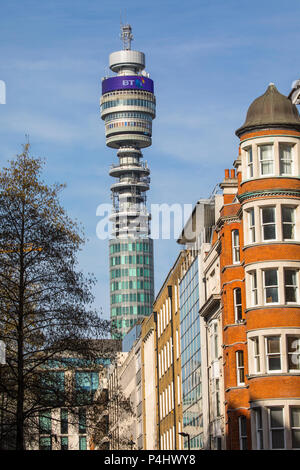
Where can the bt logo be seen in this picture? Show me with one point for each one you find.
(138, 82)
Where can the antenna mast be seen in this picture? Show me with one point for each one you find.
(126, 36)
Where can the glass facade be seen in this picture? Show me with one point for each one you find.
(131, 282)
(191, 357)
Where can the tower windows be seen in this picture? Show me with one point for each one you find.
(276, 428)
(293, 350)
(288, 222)
(295, 427)
(249, 162)
(270, 286)
(266, 160)
(273, 353)
(285, 159)
(268, 223)
(290, 285)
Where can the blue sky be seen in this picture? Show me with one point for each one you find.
(209, 60)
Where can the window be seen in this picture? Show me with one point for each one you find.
(251, 222)
(214, 343)
(64, 443)
(45, 422)
(276, 428)
(271, 286)
(82, 421)
(63, 421)
(259, 429)
(266, 159)
(293, 347)
(45, 443)
(253, 288)
(290, 285)
(243, 432)
(268, 223)
(285, 159)
(82, 443)
(249, 162)
(256, 355)
(217, 386)
(295, 427)
(273, 354)
(235, 246)
(288, 222)
(237, 300)
(240, 369)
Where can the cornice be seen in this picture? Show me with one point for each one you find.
(268, 193)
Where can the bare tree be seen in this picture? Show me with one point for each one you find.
(44, 300)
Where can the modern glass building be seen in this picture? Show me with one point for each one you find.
(191, 357)
(127, 109)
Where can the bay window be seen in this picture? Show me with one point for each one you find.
(268, 223)
(290, 285)
(270, 286)
(249, 162)
(256, 354)
(251, 223)
(266, 160)
(259, 429)
(253, 277)
(288, 222)
(295, 427)
(243, 432)
(293, 350)
(276, 428)
(273, 353)
(286, 159)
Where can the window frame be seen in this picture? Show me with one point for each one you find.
(267, 224)
(283, 161)
(237, 306)
(267, 354)
(243, 438)
(276, 428)
(266, 161)
(240, 368)
(271, 286)
(236, 255)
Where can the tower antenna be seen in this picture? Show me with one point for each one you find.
(126, 36)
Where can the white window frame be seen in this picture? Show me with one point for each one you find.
(240, 369)
(236, 305)
(254, 288)
(236, 256)
(256, 354)
(293, 428)
(264, 224)
(251, 225)
(282, 161)
(267, 354)
(294, 286)
(292, 353)
(243, 437)
(270, 286)
(259, 428)
(292, 223)
(266, 161)
(250, 170)
(276, 428)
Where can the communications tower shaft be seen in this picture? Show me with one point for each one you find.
(128, 108)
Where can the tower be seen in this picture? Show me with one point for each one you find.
(127, 108)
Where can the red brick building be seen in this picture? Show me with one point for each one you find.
(259, 231)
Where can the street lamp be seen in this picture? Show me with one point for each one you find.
(185, 434)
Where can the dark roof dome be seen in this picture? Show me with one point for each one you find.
(272, 109)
